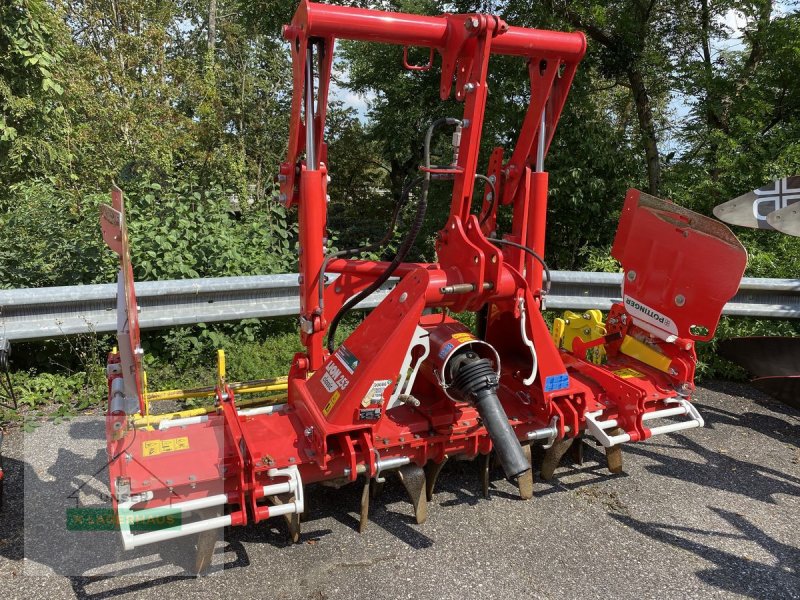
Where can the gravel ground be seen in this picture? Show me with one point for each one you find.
(708, 513)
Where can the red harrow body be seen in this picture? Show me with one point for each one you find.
(411, 386)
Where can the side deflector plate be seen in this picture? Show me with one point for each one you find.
(115, 235)
(680, 267)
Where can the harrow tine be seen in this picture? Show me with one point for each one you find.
(553, 455)
(204, 544)
(413, 479)
(576, 451)
(525, 481)
(614, 453)
(376, 488)
(484, 466)
(432, 470)
(292, 519)
(364, 513)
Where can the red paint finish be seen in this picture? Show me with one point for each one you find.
(338, 423)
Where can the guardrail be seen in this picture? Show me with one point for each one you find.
(42, 313)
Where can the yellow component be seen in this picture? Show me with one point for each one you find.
(221, 368)
(155, 447)
(559, 326)
(648, 355)
(278, 384)
(147, 421)
(587, 326)
(628, 373)
(144, 393)
(115, 350)
(331, 403)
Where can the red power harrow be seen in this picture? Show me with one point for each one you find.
(412, 387)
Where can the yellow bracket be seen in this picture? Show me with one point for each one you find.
(151, 420)
(221, 368)
(648, 355)
(145, 394)
(259, 386)
(278, 384)
(587, 326)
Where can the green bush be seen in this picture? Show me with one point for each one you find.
(50, 237)
(182, 230)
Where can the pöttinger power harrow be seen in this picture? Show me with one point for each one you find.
(412, 387)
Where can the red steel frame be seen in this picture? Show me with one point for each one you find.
(324, 431)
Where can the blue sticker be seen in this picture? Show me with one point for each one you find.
(445, 350)
(553, 383)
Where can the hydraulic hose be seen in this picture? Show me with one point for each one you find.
(408, 241)
(475, 381)
(490, 208)
(369, 247)
(399, 257)
(533, 253)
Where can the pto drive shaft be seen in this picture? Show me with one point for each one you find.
(475, 381)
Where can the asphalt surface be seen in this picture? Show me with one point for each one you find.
(707, 513)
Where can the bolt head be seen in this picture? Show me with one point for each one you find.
(631, 275)
(680, 300)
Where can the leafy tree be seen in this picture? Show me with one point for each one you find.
(33, 127)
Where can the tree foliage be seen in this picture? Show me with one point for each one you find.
(185, 105)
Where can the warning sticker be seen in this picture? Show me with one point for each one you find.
(154, 447)
(375, 393)
(628, 373)
(463, 337)
(331, 403)
(347, 358)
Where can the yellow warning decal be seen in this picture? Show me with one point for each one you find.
(154, 447)
(463, 337)
(331, 403)
(628, 373)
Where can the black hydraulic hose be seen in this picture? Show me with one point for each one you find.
(493, 201)
(399, 257)
(533, 253)
(408, 241)
(370, 247)
(475, 381)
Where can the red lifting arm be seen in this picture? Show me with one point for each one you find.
(322, 20)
